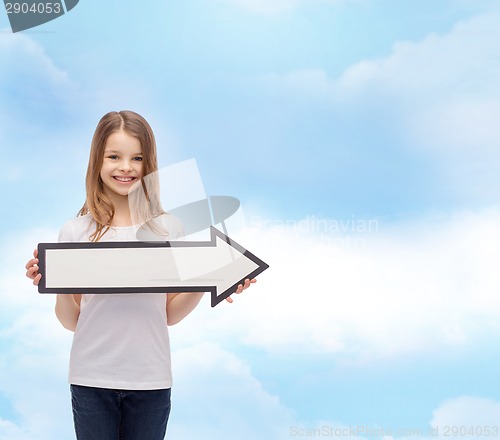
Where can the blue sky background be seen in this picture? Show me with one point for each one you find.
(318, 115)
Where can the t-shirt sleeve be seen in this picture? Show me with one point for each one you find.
(67, 233)
(177, 228)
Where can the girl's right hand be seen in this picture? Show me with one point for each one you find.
(32, 269)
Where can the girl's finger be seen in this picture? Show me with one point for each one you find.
(31, 263)
(36, 280)
(31, 271)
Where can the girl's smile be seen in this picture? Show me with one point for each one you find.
(124, 179)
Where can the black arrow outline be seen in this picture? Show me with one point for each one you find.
(215, 297)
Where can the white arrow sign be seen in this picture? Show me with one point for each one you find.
(215, 266)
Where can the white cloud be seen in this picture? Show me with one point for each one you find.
(404, 289)
(38, 102)
(35, 92)
(10, 431)
(461, 414)
(440, 68)
(33, 377)
(464, 417)
(215, 393)
(17, 290)
(26, 55)
(407, 288)
(34, 350)
(215, 396)
(440, 94)
(459, 418)
(47, 116)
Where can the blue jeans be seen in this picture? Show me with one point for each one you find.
(106, 414)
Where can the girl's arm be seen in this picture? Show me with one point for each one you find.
(179, 305)
(68, 310)
(67, 305)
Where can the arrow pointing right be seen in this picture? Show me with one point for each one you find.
(217, 266)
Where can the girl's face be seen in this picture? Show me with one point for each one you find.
(122, 163)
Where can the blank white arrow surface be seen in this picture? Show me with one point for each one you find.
(217, 266)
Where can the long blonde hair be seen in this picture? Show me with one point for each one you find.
(144, 207)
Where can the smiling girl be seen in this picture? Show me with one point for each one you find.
(120, 366)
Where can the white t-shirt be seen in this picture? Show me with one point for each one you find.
(121, 340)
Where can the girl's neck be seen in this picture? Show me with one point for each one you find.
(121, 219)
(122, 215)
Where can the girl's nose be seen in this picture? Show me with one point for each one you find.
(125, 165)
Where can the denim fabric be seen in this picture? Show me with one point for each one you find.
(107, 414)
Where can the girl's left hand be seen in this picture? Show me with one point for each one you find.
(242, 287)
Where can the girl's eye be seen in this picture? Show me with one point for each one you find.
(113, 157)
(138, 159)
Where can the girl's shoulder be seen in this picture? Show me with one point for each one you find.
(76, 229)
